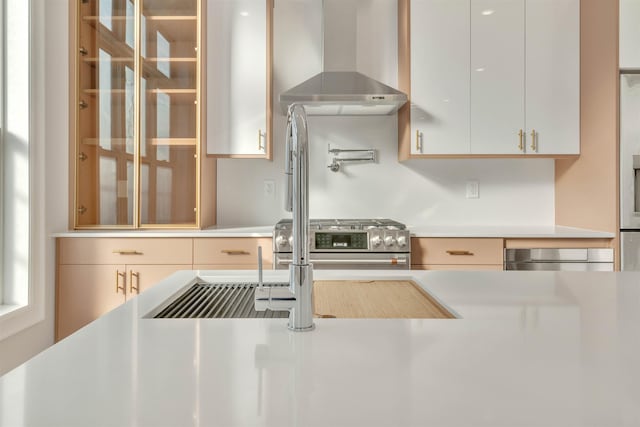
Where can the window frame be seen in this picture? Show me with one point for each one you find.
(30, 309)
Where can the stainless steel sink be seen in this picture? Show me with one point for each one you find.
(216, 301)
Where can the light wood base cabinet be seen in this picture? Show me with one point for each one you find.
(456, 253)
(86, 292)
(96, 275)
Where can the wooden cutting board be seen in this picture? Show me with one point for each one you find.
(375, 299)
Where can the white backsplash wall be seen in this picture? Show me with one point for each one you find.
(417, 192)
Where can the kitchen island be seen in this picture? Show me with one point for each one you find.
(527, 349)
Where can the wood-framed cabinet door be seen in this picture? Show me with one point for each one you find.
(169, 113)
(440, 87)
(143, 277)
(553, 77)
(238, 78)
(86, 292)
(104, 121)
(497, 76)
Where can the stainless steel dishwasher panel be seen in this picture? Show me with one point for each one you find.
(559, 259)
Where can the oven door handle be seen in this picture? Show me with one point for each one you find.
(389, 261)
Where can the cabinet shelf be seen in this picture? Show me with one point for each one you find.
(98, 18)
(168, 91)
(152, 141)
(92, 61)
(187, 59)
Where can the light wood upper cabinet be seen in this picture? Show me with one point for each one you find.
(239, 78)
(136, 94)
(490, 78)
(440, 84)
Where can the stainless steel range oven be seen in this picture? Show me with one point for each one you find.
(348, 244)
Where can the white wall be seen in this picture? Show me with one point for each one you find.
(50, 23)
(418, 192)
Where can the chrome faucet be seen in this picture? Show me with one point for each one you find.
(298, 297)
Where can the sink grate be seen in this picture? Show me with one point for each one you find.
(217, 301)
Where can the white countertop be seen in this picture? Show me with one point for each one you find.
(530, 349)
(216, 231)
(508, 232)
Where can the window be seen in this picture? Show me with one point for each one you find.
(21, 301)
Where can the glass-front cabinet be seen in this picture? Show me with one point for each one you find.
(137, 122)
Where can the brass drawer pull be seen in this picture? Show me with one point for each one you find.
(234, 252)
(521, 144)
(126, 252)
(132, 288)
(534, 145)
(122, 288)
(460, 252)
(260, 146)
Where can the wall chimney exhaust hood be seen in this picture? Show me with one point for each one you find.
(348, 93)
(339, 89)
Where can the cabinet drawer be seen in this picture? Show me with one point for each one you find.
(125, 251)
(232, 251)
(459, 267)
(456, 251)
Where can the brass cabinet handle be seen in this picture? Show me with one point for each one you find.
(534, 145)
(82, 209)
(132, 288)
(454, 252)
(234, 252)
(418, 145)
(260, 146)
(122, 288)
(521, 144)
(126, 252)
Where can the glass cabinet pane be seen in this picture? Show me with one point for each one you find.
(106, 114)
(137, 113)
(169, 111)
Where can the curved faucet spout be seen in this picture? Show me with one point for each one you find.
(299, 301)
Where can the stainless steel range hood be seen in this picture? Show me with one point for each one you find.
(349, 93)
(340, 89)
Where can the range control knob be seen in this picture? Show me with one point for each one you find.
(291, 240)
(281, 241)
(402, 241)
(389, 241)
(376, 241)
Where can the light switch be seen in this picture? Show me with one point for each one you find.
(270, 189)
(473, 190)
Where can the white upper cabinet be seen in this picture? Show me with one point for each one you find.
(237, 78)
(493, 78)
(440, 76)
(630, 34)
(497, 76)
(553, 77)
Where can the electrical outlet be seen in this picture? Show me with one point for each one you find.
(473, 190)
(269, 187)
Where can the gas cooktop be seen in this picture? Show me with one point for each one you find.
(346, 224)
